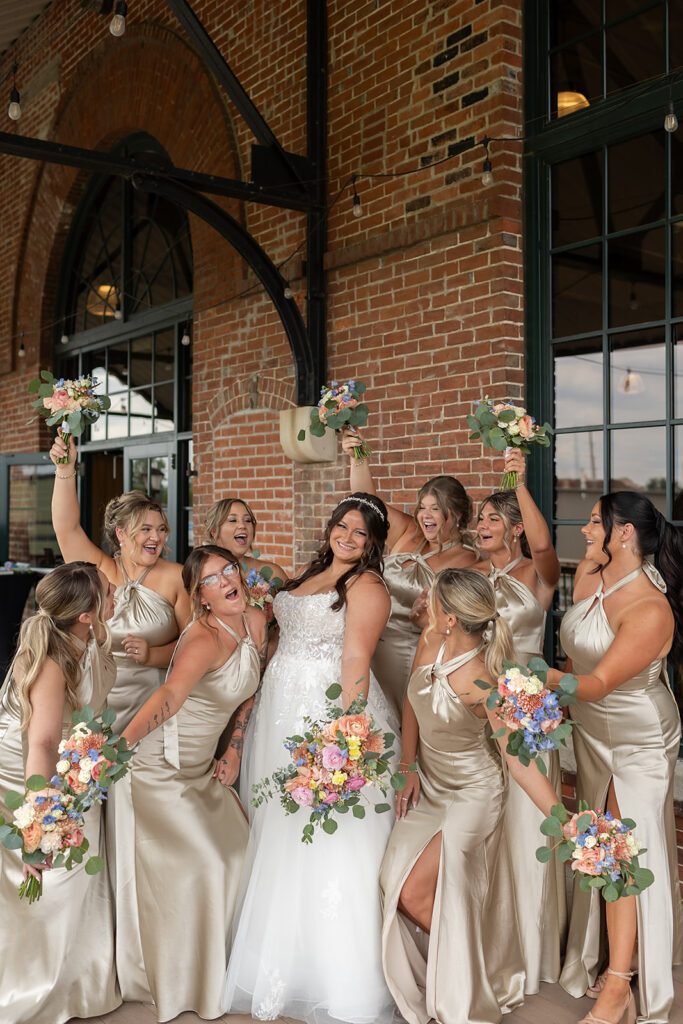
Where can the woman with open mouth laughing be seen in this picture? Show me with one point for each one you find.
(418, 547)
(186, 853)
(231, 523)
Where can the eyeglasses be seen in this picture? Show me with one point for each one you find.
(225, 574)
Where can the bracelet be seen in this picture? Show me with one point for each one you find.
(65, 476)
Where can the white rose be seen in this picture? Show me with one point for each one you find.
(633, 845)
(62, 747)
(85, 764)
(63, 767)
(513, 429)
(519, 412)
(81, 729)
(24, 816)
(590, 842)
(51, 842)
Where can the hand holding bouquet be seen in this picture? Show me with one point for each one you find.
(262, 585)
(340, 406)
(530, 710)
(601, 848)
(48, 817)
(71, 404)
(331, 763)
(502, 425)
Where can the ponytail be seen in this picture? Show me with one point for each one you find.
(469, 596)
(499, 648)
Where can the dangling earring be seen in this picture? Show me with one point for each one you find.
(623, 546)
(448, 630)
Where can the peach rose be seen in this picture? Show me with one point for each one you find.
(526, 426)
(32, 836)
(375, 743)
(75, 837)
(353, 725)
(570, 829)
(590, 861)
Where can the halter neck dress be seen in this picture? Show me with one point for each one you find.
(632, 737)
(469, 969)
(540, 889)
(186, 852)
(56, 955)
(406, 574)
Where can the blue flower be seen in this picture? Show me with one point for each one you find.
(352, 384)
(49, 819)
(40, 800)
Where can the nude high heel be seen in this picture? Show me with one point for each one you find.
(593, 991)
(628, 1015)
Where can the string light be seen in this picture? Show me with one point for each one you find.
(357, 209)
(487, 175)
(14, 109)
(22, 351)
(117, 25)
(64, 339)
(670, 121)
(186, 340)
(288, 293)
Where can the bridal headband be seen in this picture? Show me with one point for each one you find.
(365, 501)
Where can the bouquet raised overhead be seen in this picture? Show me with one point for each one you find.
(502, 425)
(71, 404)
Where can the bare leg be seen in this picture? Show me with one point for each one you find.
(416, 901)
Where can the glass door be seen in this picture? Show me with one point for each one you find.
(151, 468)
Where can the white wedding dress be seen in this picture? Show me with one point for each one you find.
(307, 941)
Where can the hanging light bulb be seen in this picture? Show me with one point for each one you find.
(670, 121)
(64, 339)
(357, 208)
(118, 315)
(117, 25)
(487, 169)
(633, 303)
(186, 340)
(632, 383)
(22, 351)
(288, 293)
(14, 109)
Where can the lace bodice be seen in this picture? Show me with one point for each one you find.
(308, 626)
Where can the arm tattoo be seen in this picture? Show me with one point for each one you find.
(160, 717)
(263, 653)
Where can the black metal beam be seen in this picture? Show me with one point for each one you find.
(307, 372)
(105, 163)
(316, 146)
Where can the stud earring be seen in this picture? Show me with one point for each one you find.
(623, 546)
(448, 630)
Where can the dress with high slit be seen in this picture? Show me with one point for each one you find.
(406, 574)
(56, 955)
(185, 855)
(540, 889)
(469, 969)
(630, 736)
(140, 612)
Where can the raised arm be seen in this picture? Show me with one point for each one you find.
(73, 541)
(367, 611)
(361, 480)
(546, 562)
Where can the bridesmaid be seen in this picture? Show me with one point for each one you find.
(444, 869)
(231, 523)
(627, 616)
(519, 560)
(418, 546)
(150, 609)
(191, 832)
(57, 955)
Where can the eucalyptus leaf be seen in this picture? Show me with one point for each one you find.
(543, 854)
(94, 865)
(13, 800)
(551, 827)
(330, 826)
(108, 716)
(36, 782)
(14, 841)
(359, 811)
(381, 808)
(398, 781)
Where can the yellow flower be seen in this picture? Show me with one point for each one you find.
(353, 743)
(313, 784)
(339, 778)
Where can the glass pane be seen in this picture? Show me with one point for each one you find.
(578, 383)
(579, 474)
(141, 412)
(571, 18)
(678, 370)
(638, 376)
(571, 549)
(577, 69)
(577, 291)
(158, 480)
(140, 362)
(117, 417)
(94, 362)
(163, 408)
(118, 367)
(677, 268)
(31, 537)
(675, 35)
(164, 347)
(678, 477)
(577, 199)
(635, 49)
(621, 8)
(139, 469)
(637, 278)
(190, 478)
(637, 182)
(639, 463)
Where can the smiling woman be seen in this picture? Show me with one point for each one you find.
(231, 523)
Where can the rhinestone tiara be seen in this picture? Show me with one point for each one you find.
(365, 501)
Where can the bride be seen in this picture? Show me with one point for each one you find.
(307, 943)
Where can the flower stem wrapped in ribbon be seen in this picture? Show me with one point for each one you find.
(531, 711)
(601, 848)
(48, 817)
(71, 404)
(332, 762)
(502, 425)
(340, 406)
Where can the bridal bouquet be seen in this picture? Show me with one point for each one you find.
(502, 425)
(331, 763)
(262, 585)
(340, 406)
(71, 404)
(531, 711)
(601, 848)
(48, 817)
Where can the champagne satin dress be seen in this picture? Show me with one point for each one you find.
(56, 955)
(469, 970)
(185, 854)
(141, 612)
(540, 889)
(406, 574)
(631, 736)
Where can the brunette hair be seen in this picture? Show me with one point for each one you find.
(452, 499)
(377, 528)
(62, 596)
(193, 571)
(506, 505)
(127, 512)
(218, 513)
(470, 597)
(655, 538)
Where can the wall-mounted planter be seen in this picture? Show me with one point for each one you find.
(311, 449)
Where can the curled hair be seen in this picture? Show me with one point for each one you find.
(127, 512)
(506, 505)
(62, 596)
(193, 572)
(469, 596)
(452, 499)
(655, 538)
(218, 513)
(377, 529)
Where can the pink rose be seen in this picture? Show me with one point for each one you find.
(333, 758)
(302, 796)
(59, 400)
(526, 426)
(356, 783)
(590, 861)
(331, 798)
(75, 837)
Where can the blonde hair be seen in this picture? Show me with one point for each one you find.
(127, 512)
(62, 596)
(218, 513)
(193, 571)
(469, 596)
(506, 505)
(452, 499)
